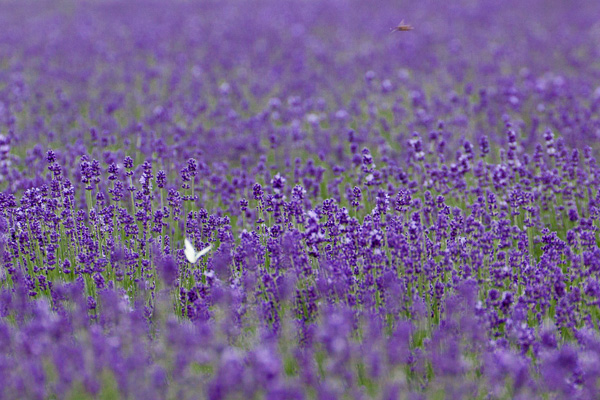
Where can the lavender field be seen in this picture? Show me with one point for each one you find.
(368, 214)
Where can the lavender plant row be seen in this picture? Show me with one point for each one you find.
(393, 216)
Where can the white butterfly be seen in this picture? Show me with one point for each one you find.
(191, 254)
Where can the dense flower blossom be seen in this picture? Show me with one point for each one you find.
(412, 215)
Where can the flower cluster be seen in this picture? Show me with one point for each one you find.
(382, 216)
